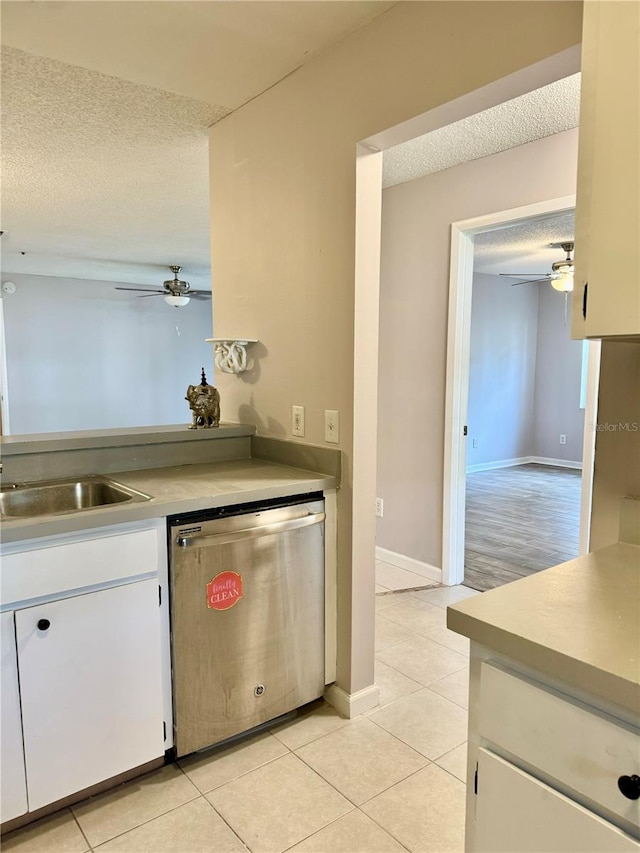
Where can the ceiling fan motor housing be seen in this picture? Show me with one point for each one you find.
(174, 286)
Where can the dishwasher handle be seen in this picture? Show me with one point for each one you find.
(249, 532)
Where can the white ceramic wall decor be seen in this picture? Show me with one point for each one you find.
(230, 354)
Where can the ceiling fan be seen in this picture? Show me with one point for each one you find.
(560, 277)
(177, 293)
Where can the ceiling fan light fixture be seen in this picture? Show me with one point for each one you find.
(563, 281)
(177, 301)
(562, 276)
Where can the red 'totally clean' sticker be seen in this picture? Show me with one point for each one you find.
(224, 591)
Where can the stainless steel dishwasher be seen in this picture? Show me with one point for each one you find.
(247, 616)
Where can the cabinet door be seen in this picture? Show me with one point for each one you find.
(13, 797)
(516, 813)
(607, 253)
(91, 689)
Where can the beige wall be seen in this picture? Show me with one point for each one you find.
(283, 219)
(414, 292)
(617, 465)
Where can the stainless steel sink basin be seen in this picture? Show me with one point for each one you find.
(55, 497)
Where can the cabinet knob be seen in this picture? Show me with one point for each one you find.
(43, 624)
(630, 786)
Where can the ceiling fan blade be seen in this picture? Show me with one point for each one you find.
(140, 289)
(537, 281)
(520, 274)
(154, 293)
(199, 294)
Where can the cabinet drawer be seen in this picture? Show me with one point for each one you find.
(583, 749)
(62, 566)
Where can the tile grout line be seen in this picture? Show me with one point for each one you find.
(314, 739)
(411, 678)
(145, 822)
(357, 805)
(315, 772)
(377, 823)
(240, 775)
(430, 760)
(226, 822)
(73, 815)
(327, 782)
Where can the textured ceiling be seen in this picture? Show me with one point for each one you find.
(524, 248)
(105, 110)
(102, 178)
(537, 114)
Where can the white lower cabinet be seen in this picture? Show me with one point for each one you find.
(90, 687)
(545, 766)
(85, 661)
(516, 812)
(14, 787)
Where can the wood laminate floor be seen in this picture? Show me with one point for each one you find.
(519, 520)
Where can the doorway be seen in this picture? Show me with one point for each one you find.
(525, 407)
(458, 370)
(367, 307)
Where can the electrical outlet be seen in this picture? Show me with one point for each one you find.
(474, 442)
(297, 420)
(379, 507)
(331, 426)
(563, 439)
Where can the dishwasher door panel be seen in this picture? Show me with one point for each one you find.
(236, 668)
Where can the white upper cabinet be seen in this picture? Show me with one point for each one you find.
(607, 240)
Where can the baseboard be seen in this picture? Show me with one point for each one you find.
(351, 704)
(416, 566)
(523, 460)
(499, 463)
(556, 463)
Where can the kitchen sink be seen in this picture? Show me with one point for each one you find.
(55, 497)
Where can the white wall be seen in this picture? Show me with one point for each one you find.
(414, 284)
(502, 370)
(558, 372)
(524, 375)
(82, 355)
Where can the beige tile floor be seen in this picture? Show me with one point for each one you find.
(389, 780)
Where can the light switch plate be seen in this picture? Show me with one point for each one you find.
(331, 426)
(297, 420)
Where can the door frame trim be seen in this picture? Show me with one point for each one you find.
(457, 383)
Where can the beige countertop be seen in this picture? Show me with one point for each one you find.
(579, 622)
(179, 489)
